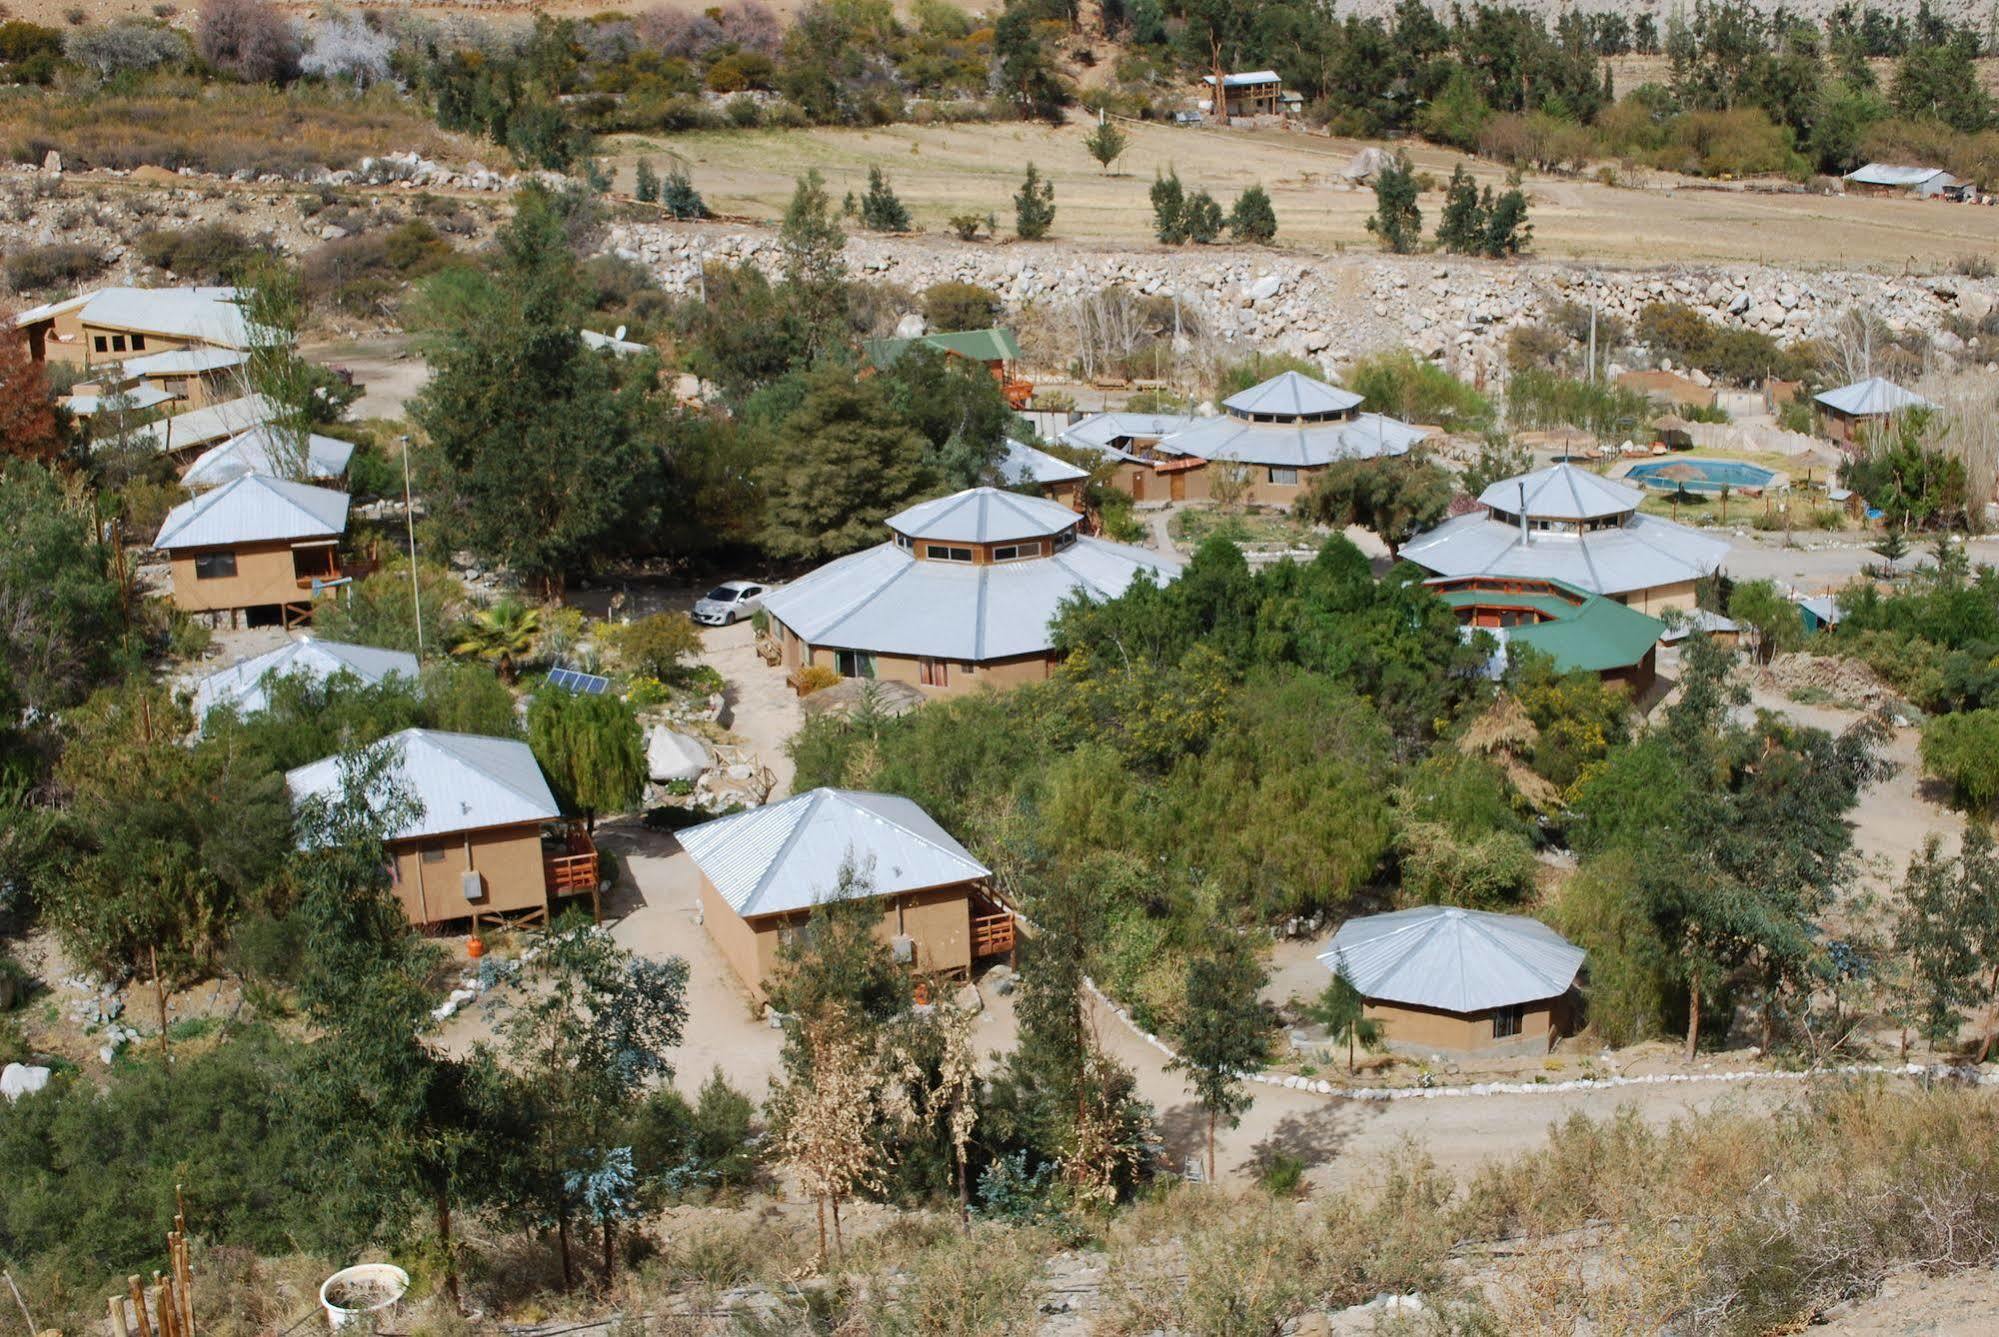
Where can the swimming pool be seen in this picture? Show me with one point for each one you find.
(1699, 475)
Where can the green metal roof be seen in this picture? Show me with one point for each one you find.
(994, 345)
(1595, 635)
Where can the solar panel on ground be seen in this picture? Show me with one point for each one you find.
(585, 684)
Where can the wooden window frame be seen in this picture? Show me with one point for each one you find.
(1508, 1022)
(206, 566)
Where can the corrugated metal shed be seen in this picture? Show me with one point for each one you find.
(256, 452)
(1293, 395)
(205, 426)
(983, 515)
(1461, 961)
(1024, 464)
(1562, 492)
(1874, 396)
(242, 685)
(787, 856)
(1293, 445)
(464, 782)
(1893, 174)
(254, 509)
(882, 599)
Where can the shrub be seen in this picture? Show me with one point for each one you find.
(49, 266)
(118, 48)
(959, 306)
(249, 39)
(656, 646)
(1253, 219)
(881, 211)
(203, 253)
(1963, 751)
(1202, 218)
(816, 677)
(345, 47)
(1033, 206)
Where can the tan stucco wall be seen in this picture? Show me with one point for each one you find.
(1659, 597)
(960, 677)
(1196, 484)
(68, 339)
(264, 575)
(939, 920)
(508, 857)
(1423, 1028)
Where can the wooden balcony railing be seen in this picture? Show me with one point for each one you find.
(573, 872)
(992, 935)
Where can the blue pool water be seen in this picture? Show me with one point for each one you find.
(1699, 475)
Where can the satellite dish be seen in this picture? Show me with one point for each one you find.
(618, 333)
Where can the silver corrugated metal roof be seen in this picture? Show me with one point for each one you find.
(1874, 395)
(205, 426)
(1453, 960)
(128, 401)
(1247, 79)
(884, 600)
(1023, 463)
(1293, 445)
(464, 782)
(183, 361)
(1100, 430)
(787, 856)
(242, 685)
(254, 452)
(1562, 492)
(983, 515)
(1293, 395)
(254, 509)
(1643, 553)
(1893, 174)
(621, 347)
(210, 315)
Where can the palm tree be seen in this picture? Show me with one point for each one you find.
(501, 634)
(1343, 1012)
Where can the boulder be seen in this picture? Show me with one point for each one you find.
(52, 162)
(911, 326)
(19, 1079)
(1264, 288)
(672, 755)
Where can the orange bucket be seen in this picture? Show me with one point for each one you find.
(475, 948)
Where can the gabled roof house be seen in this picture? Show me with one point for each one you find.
(1438, 977)
(255, 543)
(1052, 477)
(763, 871)
(112, 323)
(961, 595)
(1848, 413)
(1566, 524)
(260, 450)
(488, 839)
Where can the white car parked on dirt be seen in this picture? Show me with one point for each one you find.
(731, 601)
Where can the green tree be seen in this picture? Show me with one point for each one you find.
(587, 1032)
(1396, 220)
(1940, 899)
(1962, 750)
(60, 608)
(655, 646)
(1107, 143)
(382, 608)
(646, 182)
(836, 467)
(1775, 619)
(1225, 1034)
(815, 267)
(1023, 67)
(1396, 498)
(301, 394)
(881, 211)
(1461, 229)
(466, 698)
(503, 634)
(951, 305)
(1169, 208)
(538, 444)
(678, 196)
(1342, 1010)
(1202, 217)
(1940, 83)
(1033, 206)
(1252, 219)
(1507, 231)
(589, 746)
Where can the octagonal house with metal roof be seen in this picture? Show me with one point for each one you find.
(961, 596)
(1278, 435)
(1438, 977)
(1567, 524)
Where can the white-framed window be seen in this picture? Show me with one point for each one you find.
(854, 663)
(1506, 1021)
(937, 552)
(902, 542)
(1283, 477)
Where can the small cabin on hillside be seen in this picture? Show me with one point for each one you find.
(113, 324)
(1247, 93)
(1049, 476)
(1848, 414)
(489, 839)
(258, 545)
(1441, 978)
(995, 349)
(1897, 181)
(263, 450)
(763, 871)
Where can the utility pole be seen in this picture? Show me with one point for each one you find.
(409, 521)
(1591, 378)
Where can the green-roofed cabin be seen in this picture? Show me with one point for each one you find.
(1577, 629)
(996, 348)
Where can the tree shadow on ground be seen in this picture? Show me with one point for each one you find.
(1314, 1137)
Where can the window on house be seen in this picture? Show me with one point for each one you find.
(138, 343)
(902, 542)
(937, 552)
(1284, 477)
(1013, 552)
(935, 672)
(1506, 1021)
(854, 663)
(434, 855)
(99, 343)
(215, 566)
(117, 343)
(1063, 539)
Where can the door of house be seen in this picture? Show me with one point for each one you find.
(1178, 487)
(1138, 484)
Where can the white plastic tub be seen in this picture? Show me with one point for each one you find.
(367, 1289)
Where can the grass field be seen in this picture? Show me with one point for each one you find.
(944, 170)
